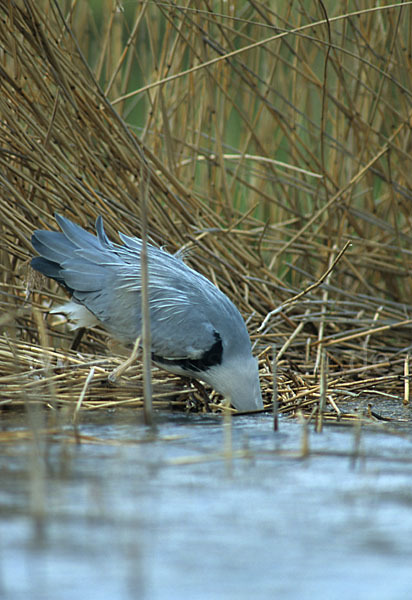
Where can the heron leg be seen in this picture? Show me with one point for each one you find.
(118, 371)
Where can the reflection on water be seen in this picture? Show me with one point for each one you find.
(127, 515)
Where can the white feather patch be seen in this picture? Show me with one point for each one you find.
(77, 313)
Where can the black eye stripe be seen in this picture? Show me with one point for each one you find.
(210, 358)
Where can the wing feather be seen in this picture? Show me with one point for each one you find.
(186, 309)
(106, 279)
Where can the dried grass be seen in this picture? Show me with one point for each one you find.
(174, 90)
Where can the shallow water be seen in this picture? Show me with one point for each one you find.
(130, 515)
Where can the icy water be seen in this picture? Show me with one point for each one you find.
(125, 515)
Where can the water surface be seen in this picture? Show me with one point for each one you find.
(125, 514)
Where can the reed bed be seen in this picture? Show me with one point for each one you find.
(274, 146)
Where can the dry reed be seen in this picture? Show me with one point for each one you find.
(210, 106)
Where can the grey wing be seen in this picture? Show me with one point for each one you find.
(179, 331)
(86, 266)
(105, 278)
(179, 328)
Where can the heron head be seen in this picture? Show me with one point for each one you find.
(238, 380)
